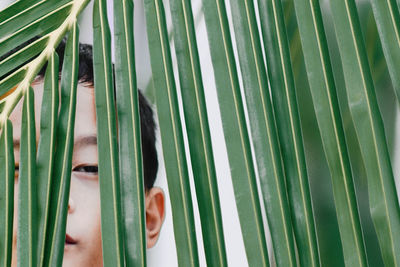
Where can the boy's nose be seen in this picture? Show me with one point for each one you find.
(71, 205)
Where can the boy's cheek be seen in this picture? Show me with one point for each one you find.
(84, 216)
(85, 224)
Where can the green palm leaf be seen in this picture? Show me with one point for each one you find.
(330, 124)
(15, 8)
(265, 139)
(46, 150)
(23, 76)
(286, 110)
(370, 131)
(18, 14)
(198, 132)
(111, 223)
(7, 84)
(235, 131)
(21, 15)
(130, 149)
(388, 22)
(23, 55)
(7, 193)
(171, 134)
(60, 184)
(42, 217)
(42, 26)
(27, 198)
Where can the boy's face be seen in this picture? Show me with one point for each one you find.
(83, 239)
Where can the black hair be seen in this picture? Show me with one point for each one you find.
(147, 124)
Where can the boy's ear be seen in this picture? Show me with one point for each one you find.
(154, 214)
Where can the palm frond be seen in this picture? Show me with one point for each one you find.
(388, 21)
(113, 254)
(236, 134)
(60, 184)
(23, 55)
(130, 148)
(7, 191)
(21, 15)
(273, 161)
(46, 151)
(26, 73)
(370, 131)
(42, 26)
(171, 134)
(27, 198)
(198, 131)
(331, 128)
(288, 123)
(265, 137)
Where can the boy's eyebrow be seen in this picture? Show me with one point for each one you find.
(86, 140)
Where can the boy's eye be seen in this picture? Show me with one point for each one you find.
(87, 169)
(16, 173)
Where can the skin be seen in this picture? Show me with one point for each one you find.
(83, 221)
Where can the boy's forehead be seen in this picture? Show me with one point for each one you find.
(85, 120)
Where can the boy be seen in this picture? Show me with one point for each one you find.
(83, 235)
